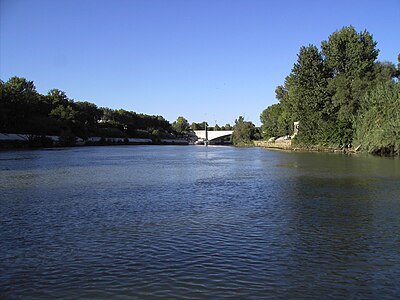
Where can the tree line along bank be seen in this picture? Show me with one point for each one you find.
(25, 111)
(341, 96)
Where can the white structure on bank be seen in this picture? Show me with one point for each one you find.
(212, 135)
(295, 129)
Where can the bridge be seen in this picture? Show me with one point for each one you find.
(210, 136)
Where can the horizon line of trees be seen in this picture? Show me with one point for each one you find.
(24, 110)
(341, 96)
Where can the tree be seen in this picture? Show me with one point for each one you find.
(57, 98)
(228, 127)
(64, 113)
(108, 115)
(88, 113)
(350, 53)
(350, 57)
(181, 125)
(243, 132)
(384, 71)
(62, 107)
(194, 126)
(303, 98)
(20, 88)
(3, 108)
(198, 126)
(274, 121)
(19, 100)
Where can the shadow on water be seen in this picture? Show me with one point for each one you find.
(340, 213)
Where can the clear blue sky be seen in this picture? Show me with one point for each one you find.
(212, 60)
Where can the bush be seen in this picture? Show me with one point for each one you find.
(377, 128)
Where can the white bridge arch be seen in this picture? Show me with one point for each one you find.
(212, 135)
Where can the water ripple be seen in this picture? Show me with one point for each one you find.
(197, 223)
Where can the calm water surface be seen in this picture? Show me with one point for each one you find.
(167, 222)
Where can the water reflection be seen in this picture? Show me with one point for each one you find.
(339, 236)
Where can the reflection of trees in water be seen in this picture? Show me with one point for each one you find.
(337, 223)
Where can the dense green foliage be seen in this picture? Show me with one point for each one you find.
(274, 121)
(24, 110)
(339, 95)
(378, 124)
(244, 132)
(181, 125)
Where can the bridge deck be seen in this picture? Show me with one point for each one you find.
(212, 135)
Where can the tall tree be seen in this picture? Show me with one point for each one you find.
(19, 100)
(350, 56)
(304, 96)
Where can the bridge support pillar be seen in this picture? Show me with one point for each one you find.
(206, 131)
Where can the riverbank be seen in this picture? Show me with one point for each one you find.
(282, 145)
(18, 141)
(287, 146)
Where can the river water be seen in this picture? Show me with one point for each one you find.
(170, 222)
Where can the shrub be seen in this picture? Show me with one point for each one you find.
(377, 128)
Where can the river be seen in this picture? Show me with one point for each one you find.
(194, 222)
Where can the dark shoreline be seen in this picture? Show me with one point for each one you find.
(28, 145)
